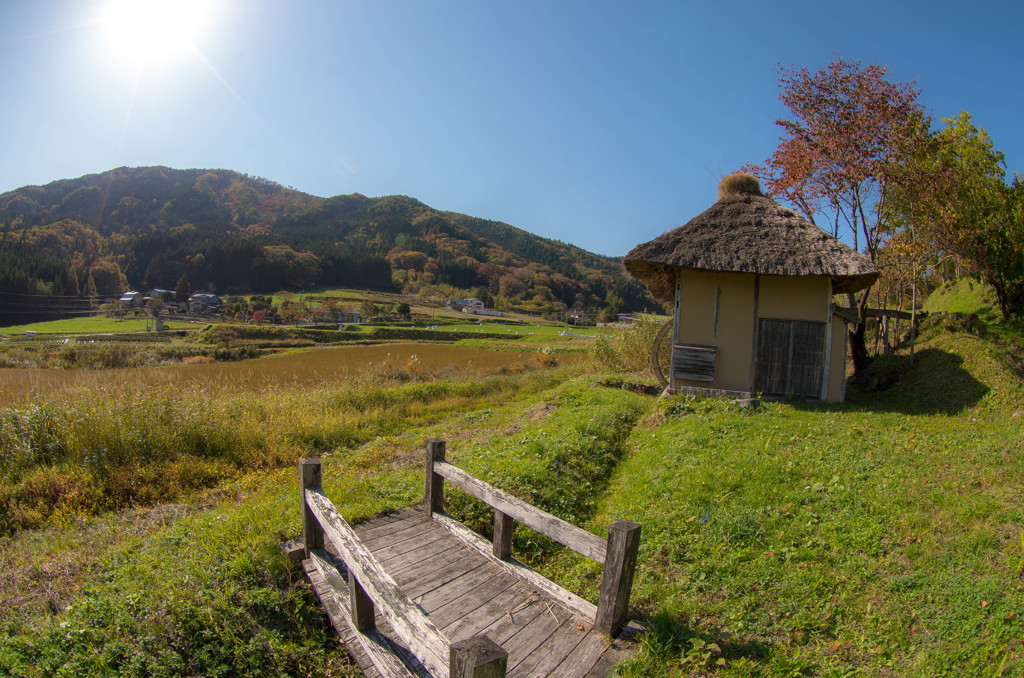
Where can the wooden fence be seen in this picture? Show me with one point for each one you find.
(617, 553)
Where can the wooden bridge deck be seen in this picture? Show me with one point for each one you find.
(466, 594)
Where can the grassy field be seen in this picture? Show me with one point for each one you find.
(883, 537)
(86, 326)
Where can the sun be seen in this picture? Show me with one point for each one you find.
(154, 30)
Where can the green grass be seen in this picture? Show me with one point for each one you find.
(964, 295)
(85, 326)
(881, 537)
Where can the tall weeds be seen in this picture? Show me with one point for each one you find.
(629, 349)
(89, 451)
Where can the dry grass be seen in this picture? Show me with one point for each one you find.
(738, 183)
(88, 442)
(299, 369)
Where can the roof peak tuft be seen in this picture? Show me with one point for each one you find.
(738, 183)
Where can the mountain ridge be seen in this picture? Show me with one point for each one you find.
(234, 233)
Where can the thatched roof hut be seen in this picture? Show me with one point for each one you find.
(746, 232)
(753, 287)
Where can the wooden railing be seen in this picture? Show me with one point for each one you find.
(371, 588)
(618, 553)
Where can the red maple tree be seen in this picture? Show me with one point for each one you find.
(850, 130)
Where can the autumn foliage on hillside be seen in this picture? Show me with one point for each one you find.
(232, 233)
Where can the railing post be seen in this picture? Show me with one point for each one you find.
(503, 526)
(434, 496)
(312, 532)
(477, 657)
(360, 604)
(619, 565)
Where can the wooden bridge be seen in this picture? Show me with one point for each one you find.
(416, 593)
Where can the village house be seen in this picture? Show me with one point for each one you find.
(201, 302)
(459, 304)
(752, 286)
(130, 300)
(483, 311)
(349, 317)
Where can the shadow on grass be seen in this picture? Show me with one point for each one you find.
(936, 384)
(669, 638)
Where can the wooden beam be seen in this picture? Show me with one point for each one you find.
(361, 610)
(503, 526)
(478, 657)
(827, 371)
(753, 335)
(379, 651)
(565, 533)
(613, 605)
(847, 314)
(889, 313)
(408, 620)
(434, 494)
(309, 477)
(718, 304)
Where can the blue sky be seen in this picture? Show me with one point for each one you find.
(602, 124)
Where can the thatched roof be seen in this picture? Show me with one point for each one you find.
(745, 232)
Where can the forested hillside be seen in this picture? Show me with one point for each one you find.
(147, 227)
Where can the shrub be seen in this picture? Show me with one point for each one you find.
(628, 350)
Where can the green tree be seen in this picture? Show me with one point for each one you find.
(108, 279)
(954, 198)
(404, 310)
(368, 309)
(183, 290)
(483, 295)
(71, 286)
(91, 292)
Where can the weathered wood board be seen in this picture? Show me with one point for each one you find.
(466, 592)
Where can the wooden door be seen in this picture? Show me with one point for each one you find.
(790, 358)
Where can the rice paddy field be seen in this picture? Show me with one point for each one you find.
(299, 369)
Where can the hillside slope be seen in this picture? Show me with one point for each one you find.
(883, 537)
(229, 232)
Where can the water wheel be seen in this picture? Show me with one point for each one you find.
(661, 354)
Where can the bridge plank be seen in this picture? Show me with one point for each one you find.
(486, 614)
(428, 578)
(535, 633)
(408, 545)
(567, 599)
(405, 530)
(470, 603)
(543, 660)
(439, 554)
(439, 596)
(386, 534)
(388, 522)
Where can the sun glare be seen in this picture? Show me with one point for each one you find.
(154, 30)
